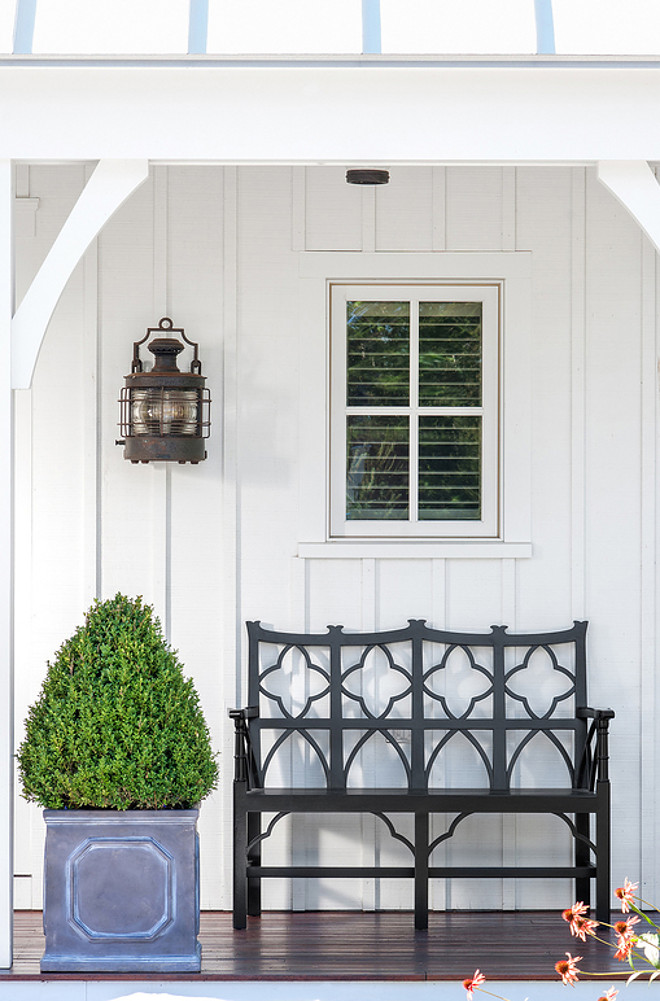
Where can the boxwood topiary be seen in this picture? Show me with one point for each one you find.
(117, 725)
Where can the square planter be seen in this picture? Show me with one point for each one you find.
(121, 891)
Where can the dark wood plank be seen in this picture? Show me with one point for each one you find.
(351, 945)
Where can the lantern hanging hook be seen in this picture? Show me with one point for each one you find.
(166, 325)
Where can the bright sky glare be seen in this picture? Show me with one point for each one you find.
(105, 27)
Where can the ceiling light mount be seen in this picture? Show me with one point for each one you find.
(367, 176)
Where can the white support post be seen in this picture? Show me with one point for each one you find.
(633, 183)
(6, 572)
(109, 186)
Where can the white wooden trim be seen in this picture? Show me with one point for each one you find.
(109, 186)
(92, 431)
(648, 743)
(230, 467)
(6, 572)
(578, 394)
(428, 549)
(368, 204)
(488, 293)
(439, 207)
(515, 489)
(26, 215)
(354, 266)
(160, 473)
(508, 208)
(298, 208)
(538, 110)
(634, 184)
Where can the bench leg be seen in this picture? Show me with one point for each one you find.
(582, 857)
(240, 858)
(421, 871)
(254, 882)
(603, 887)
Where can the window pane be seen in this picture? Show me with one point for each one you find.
(458, 26)
(450, 352)
(449, 468)
(7, 15)
(377, 461)
(607, 27)
(109, 27)
(378, 354)
(285, 26)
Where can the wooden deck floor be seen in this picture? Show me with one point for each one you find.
(351, 945)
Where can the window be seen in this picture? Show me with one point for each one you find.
(414, 436)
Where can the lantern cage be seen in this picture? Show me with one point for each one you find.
(164, 413)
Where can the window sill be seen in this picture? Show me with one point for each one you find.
(404, 550)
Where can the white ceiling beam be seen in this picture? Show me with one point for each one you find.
(258, 113)
(109, 186)
(633, 183)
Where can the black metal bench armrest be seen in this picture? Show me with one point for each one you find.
(244, 764)
(596, 765)
(586, 712)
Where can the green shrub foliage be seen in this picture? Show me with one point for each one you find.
(117, 725)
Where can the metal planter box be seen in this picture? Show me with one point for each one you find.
(121, 891)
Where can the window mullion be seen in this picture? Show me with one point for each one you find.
(414, 411)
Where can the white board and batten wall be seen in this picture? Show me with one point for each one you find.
(228, 254)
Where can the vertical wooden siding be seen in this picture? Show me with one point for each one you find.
(215, 544)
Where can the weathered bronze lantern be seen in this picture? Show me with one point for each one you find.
(164, 413)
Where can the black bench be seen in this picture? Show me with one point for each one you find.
(340, 707)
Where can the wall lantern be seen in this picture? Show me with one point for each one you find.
(164, 413)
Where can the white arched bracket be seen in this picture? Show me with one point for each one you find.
(107, 189)
(633, 183)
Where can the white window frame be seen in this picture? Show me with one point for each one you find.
(487, 526)
(317, 271)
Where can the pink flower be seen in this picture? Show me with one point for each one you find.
(626, 894)
(567, 969)
(471, 983)
(625, 937)
(608, 995)
(580, 926)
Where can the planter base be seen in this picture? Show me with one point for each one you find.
(75, 964)
(121, 891)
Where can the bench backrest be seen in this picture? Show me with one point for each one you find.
(414, 696)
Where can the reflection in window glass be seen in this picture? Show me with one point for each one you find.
(450, 354)
(377, 468)
(450, 468)
(111, 27)
(378, 354)
(291, 26)
(607, 27)
(458, 26)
